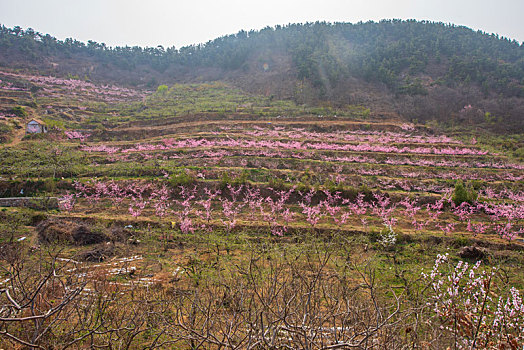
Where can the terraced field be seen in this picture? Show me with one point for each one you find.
(202, 217)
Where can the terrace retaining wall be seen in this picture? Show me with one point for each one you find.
(30, 202)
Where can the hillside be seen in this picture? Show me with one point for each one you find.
(417, 70)
(319, 186)
(199, 214)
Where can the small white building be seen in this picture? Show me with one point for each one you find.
(36, 126)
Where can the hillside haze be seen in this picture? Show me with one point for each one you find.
(419, 71)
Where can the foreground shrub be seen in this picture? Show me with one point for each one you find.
(475, 306)
(463, 194)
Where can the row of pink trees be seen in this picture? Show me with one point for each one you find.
(348, 136)
(300, 146)
(227, 148)
(75, 86)
(279, 209)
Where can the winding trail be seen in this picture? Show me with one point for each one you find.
(17, 138)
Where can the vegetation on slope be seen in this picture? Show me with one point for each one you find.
(420, 70)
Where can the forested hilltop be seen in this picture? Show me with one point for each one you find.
(417, 70)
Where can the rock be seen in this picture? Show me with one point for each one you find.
(54, 231)
(82, 235)
(473, 252)
(97, 254)
(119, 234)
(62, 231)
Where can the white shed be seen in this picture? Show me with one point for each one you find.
(36, 126)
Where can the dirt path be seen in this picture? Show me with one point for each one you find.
(258, 122)
(17, 138)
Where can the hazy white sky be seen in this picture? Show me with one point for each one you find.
(179, 23)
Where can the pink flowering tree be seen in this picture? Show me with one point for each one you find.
(278, 210)
(313, 213)
(359, 208)
(67, 202)
(384, 209)
(184, 213)
(77, 135)
(410, 211)
(207, 205)
(231, 207)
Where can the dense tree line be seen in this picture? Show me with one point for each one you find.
(390, 52)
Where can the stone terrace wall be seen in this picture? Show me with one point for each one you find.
(30, 202)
